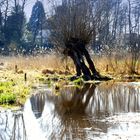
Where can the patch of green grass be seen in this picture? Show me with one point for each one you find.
(13, 92)
(78, 81)
(7, 95)
(7, 98)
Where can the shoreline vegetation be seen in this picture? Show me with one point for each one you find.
(20, 75)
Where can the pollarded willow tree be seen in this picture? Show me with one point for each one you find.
(72, 28)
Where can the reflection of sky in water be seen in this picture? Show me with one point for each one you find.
(49, 122)
(34, 132)
(123, 126)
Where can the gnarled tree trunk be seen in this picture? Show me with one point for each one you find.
(75, 48)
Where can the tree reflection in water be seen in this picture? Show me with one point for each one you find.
(76, 102)
(37, 103)
(67, 117)
(12, 126)
(76, 122)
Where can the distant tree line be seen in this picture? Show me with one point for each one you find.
(17, 35)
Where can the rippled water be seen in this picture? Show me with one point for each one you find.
(105, 111)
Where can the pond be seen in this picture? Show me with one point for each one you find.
(103, 111)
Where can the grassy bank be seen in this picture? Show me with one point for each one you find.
(20, 75)
(13, 87)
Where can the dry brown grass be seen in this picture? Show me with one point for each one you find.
(38, 63)
(55, 63)
(114, 66)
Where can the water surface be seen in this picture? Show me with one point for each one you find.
(104, 111)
